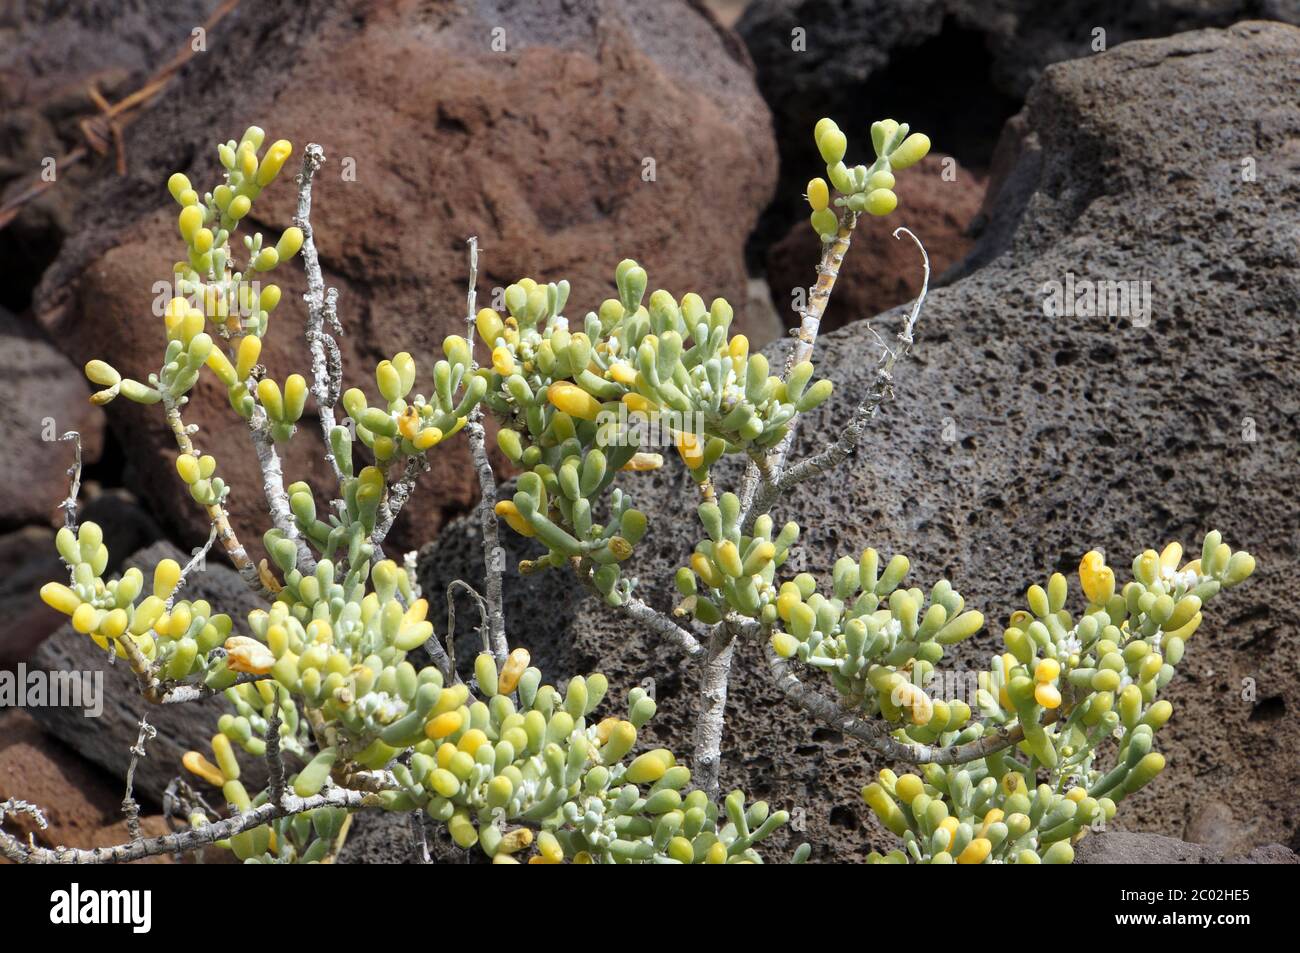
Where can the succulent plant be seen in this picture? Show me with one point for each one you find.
(329, 682)
(1068, 684)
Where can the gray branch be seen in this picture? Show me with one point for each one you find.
(398, 494)
(763, 472)
(657, 622)
(158, 692)
(277, 499)
(234, 549)
(758, 491)
(274, 760)
(874, 733)
(493, 554)
(183, 693)
(326, 363)
(711, 719)
(182, 841)
(419, 839)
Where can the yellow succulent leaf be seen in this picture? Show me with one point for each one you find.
(573, 400)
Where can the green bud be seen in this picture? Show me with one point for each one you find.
(960, 628)
(814, 396)
(893, 575)
(1240, 566)
(685, 581)
(575, 697)
(485, 671)
(832, 144)
(824, 222)
(642, 710)
(1150, 765)
(312, 778)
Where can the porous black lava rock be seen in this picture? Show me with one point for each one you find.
(956, 69)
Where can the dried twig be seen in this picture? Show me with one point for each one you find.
(112, 118)
(129, 805)
(69, 504)
(20, 808)
(881, 388)
(450, 656)
(196, 560)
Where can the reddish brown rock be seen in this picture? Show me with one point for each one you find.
(936, 200)
(543, 150)
(82, 806)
